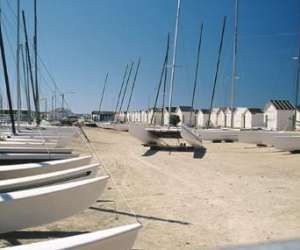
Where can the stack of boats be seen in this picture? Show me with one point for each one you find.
(42, 181)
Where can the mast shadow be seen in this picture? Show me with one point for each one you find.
(140, 216)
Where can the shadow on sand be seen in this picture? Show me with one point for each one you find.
(13, 237)
(139, 216)
(198, 153)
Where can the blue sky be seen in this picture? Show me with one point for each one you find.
(81, 40)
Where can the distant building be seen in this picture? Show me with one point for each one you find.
(105, 116)
(214, 117)
(278, 115)
(155, 115)
(186, 115)
(167, 114)
(202, 118)
(253, 118)
(238, 117)
(298, 118)
(221, 117)
(228, 116)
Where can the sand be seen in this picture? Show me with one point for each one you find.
(235, 194)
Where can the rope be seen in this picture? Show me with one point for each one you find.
(93, 151)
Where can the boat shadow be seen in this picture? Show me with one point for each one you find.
(140, 216)
(13, 238)
(198, 153)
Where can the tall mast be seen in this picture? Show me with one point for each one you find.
(174, 59)
(297, 84)
(120, 92)
(235, 47)
(196, 72)
(102, 95)
(162, 74)
(26, 83)
(165, 81)
(217, 71)
(126, 86)
(38, 120)
(29, 61)
(18, 67)
(6, 79)
(133, 83)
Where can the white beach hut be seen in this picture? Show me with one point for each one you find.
(253, 118)
(228, 116)
(239, 118)
(166, 114)
(278, 115)
(184, 113)
(202, 118)
(221, 117)
(298, 118)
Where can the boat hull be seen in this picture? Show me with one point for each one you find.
(39, 206)
(139, 132)
(22, 183)
(119, 238)
(287, 143)
(191, 137)
(29, 169)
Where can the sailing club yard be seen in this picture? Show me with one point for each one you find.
(233, 194)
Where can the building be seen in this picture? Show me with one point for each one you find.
(202, 118)
(186, 115)
(155, 115)
(279, 114)
(238, 117)
(167, 114)
(105, 116)
(253, 118)
(228, 116)
(221, 117)
(214, 117)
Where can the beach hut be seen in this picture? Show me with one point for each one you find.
(184, 113)
(221, 118)
(298, 118)
(156, 114)
(202, 118)
(166, 114)
(239, 118)
(278, 115)
(214, 117)
(253, 118)
(228, 115)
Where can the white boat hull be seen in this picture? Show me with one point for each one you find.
(22, 183)
(39, 206)
(218, 134)
(37, 150)
(139, 131)
(191, 137)
(119, 238)
(287, 143)
(29, 169)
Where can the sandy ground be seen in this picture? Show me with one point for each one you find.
(235, 194)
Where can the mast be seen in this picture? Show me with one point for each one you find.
(133, 84)
(217, 71)
(162, 74)
(196, 72)
(126, 86)
(235, 47)
(29, 60)
(18, 67)
(11, 114)
(165, 82)
(102, 95)
(26, 83)
(174, 59)
(297, 84)
(120, 92)
(38, 119)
